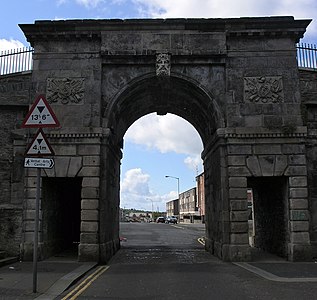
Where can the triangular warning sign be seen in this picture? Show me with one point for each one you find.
(40, 115)
(39, 145)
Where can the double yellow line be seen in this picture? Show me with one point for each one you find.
(73, 294)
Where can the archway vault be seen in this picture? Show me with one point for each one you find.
(146, 94)
(173, 94)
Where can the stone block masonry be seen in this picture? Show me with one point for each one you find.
(271, 155)
(235, 80)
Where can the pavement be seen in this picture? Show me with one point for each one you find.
(55, 275)
(283, 271)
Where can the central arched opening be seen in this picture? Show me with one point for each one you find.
(178, 96)
(160, 166)
(165, 150)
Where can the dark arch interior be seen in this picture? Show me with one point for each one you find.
(270, 207)
(61, 215)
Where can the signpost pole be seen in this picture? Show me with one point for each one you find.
(40, 116)
(36, 228)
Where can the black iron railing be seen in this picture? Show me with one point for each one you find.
(16, 60)
(20, 60)
(307, 56)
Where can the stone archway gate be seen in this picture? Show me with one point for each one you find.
(235, 80)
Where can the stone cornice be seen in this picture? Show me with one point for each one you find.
(265, 135)
(259, 132)
(73, 135)
(92, 29)
(225, 136)
(77, 133)
(64, 133)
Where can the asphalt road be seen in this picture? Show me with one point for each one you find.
(162, 261)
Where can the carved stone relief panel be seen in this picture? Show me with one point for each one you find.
(163, 64)
(15, 90)
(65, 90)
(308, 88)
(263, 89)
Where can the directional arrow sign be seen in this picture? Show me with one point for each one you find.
(40, 115)
(41, 163)
(39, 146)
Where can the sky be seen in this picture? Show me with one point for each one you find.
(154, 146)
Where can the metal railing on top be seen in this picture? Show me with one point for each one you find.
(20, 60)
(307, 56)
(16, 60)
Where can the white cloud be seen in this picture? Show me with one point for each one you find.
(225, 8)
(89, 3)
(136, 193)
(60, 2)
(302, 9)
(118, 2)
(193, 163)
(172, 195)
(136, 182)
(10, 44)
(168, 133)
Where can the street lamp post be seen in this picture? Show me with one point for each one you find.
(177, 178)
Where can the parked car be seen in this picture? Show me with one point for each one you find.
(171, 220)
(160, 220)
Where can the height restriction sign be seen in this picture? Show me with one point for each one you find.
(40, 115)
(39, 146)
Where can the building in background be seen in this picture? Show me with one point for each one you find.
(172, 208)
(188, 208)
(133, 215)
(200, 179)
